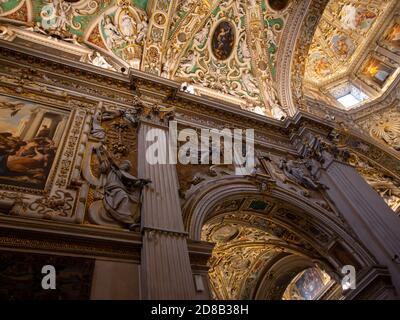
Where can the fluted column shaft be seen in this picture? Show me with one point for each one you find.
(165, 269)
(365, 211)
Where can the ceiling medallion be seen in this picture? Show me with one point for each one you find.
(278, 5)
(223, 40)
(225, 233)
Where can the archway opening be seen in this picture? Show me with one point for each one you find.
(255, 258)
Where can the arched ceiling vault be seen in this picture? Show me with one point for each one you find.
(250, 53)
(354, 51)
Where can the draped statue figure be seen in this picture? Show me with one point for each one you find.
(121, 193)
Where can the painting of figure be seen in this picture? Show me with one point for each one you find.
(353, 18)
(377, 71)
(223, 40)
(309, 284)
(320, 64)
(29, 137)
(343, 46)
(393, 36)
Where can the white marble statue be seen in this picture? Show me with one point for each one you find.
(188, 64)
(114, 37)
(201, 36)
(97, 130)
(142, 31)
(128, 25)
(271, 38)
(100, 61)
(249, 82)
(277, 112)
(244, 49)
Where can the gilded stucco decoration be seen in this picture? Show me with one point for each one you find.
(344, 51)
(233, 55)
(384, 127)
(237, 259)
(115, 28)
(247, 244)
(227, 49)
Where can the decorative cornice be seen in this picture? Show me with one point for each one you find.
(19, 233)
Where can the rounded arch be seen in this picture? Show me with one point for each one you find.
(284, 269)
(330, 236)
(293, 228)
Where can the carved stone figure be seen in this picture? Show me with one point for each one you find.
(142, 30)
(271, 38)
(121, 193)
(56, 17)
(189, 63)
(244, 49)
(294, 171)
(132, 115)
(114, 37)
(277, 112)
(99, 61)
(128, 25)
(249, 82)
(97, 130)
(201, 36)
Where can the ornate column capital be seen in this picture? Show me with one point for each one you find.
(157, 114)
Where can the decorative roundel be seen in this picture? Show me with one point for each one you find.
(223, 40)
(225, 233)
(278, 5)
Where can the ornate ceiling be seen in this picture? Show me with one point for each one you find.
(241, 253)
(355, 45)
(239, 51)
(226, 49)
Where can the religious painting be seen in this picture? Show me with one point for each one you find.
(353, 18)
(30, 135)
(393, 37)
(376, 71)
(320, 64)
(343, 46)
(309, 284)
(223, 40)
(21, 277)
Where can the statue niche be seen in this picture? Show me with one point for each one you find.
(121, 193)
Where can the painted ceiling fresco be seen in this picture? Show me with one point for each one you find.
(225, 49)
(344, 48)
(340, 35)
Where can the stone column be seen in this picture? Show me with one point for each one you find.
(376, 225)
(33, 125)
(165, 266)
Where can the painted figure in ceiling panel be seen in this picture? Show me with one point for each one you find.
(345, 28)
